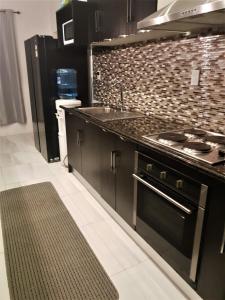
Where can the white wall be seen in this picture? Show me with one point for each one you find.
(162, 3)
(37, 17)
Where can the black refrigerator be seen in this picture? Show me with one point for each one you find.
(43, 58)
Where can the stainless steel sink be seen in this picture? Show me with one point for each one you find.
(97, 110)
(105, 114)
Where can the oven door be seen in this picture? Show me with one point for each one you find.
(166, 221)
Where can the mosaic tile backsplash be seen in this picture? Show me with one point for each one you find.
(156, 79)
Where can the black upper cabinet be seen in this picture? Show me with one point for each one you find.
(114, 18)
(106, 19)
(62, 16)
(138, 10)
(82, 28)
(129, 12)
(97, 20)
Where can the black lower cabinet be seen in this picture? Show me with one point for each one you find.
(104, 160)
(91, 154)
(124, 179)
(108, 191)
(83, 149)
(74, 129)
(211, 284)
(117, 166)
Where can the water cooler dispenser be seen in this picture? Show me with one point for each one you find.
(67, 92)
(67, 83)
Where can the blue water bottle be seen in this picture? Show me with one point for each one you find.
(67, 83)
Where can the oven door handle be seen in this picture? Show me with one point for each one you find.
(222, 248)
(166, 197)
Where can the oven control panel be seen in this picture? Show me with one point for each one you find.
(169, 177)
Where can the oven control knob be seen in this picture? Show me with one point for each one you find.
(149, 167)
(179, 184)
(163, 175)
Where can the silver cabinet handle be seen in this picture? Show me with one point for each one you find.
(122, 138)
(169, 199)
(96, 21)
(222, 248)
(113, 161)
(130, 11)
(79, 140)
(78, 137)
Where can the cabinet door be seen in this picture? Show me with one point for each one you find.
(107, 23)
(107, 143)
(91, 155)
(211, 283)
(82, 14)
(100, 25)
(110, 18)
(74, 130)
(83, 18)
(138, 10)
(124, 179)
(119, 17)
(63, 15)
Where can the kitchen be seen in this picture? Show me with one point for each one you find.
(148, 141)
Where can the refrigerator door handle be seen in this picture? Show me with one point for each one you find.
(36, 50)
(222, 248)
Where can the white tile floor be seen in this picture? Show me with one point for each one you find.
(133, 273)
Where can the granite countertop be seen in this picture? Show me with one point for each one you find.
(134, 129)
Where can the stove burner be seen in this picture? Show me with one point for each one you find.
(216, 139)
(197, 147)
(173, 137)
(196, 132)
(205, 146)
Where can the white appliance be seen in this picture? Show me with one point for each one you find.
(68, 32)
(60, 115)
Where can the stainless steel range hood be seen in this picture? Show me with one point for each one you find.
(187, 16)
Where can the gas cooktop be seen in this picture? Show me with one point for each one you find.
(200, 144)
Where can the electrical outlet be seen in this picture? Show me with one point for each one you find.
(98, 73)
(195, 77)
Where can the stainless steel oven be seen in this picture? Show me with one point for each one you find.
(169, 209)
